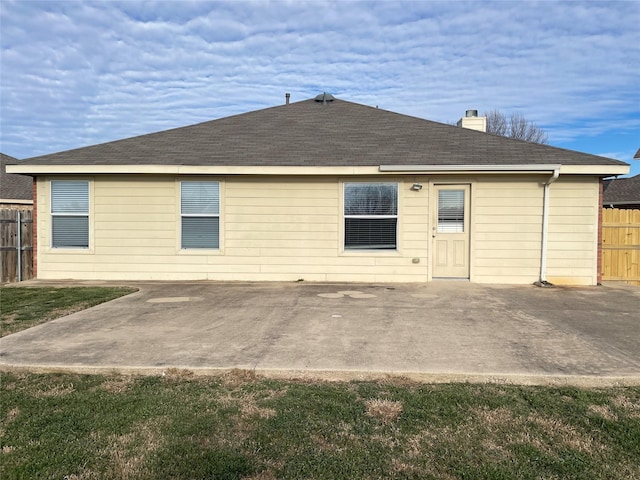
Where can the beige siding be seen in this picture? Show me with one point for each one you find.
(291, 228)
(507, 230)
(272, 228)
(573, 231)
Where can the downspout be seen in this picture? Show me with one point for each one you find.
(545, 230)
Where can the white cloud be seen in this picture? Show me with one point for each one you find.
(81, 73)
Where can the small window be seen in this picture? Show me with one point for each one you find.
(451, 211)
(370, 216)
(69, 214)
(200, 214)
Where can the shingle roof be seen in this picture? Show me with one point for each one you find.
(13, 186)
(308, 133)
(621, 191)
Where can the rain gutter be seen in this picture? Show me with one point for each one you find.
(520, 168)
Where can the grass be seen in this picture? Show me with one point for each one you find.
(25, 307)
(238, 426)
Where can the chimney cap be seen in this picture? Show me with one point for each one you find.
(471, 113)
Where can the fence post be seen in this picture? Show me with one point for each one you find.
(19, 245)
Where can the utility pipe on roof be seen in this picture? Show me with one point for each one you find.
(545, 229)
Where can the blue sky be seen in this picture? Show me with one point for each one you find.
(78, 73)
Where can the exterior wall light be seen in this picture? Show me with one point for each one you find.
(416, 187)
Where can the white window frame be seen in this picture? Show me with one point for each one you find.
(448, 222)
(199, 215)
(369, 217)
(86, 214)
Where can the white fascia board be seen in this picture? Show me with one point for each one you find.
(313, 170)
(187, 170)
(16, 201)
(595, 169)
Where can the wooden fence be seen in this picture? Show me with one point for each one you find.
(16, 247)
(621, 245)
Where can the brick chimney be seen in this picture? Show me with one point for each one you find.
(472, 121)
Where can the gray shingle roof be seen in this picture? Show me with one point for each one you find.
(13, 186)
(308, 133)
(621, 191)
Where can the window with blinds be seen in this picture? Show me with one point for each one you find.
(69, 214)
(451, 211)
(200, 214)
(370, 216)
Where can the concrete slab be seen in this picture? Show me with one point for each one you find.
(439, 331)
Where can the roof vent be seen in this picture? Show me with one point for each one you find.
(325, 98)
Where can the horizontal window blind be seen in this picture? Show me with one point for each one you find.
(370, 233)
(70, 214)
(69, 197)
(451, 211)
(200, 211)
(200, 198)
(70, 232)
(370, 216)
(200, 232)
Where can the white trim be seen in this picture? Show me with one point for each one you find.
(182, 215)
(196, 170)
(607, 170)
(16, 202)
(88, 216)
(343, 248)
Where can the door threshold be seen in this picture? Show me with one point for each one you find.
(451, 279)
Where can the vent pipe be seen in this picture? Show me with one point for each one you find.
(324, 98)
(287, 96)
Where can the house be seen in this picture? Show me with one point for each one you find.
(16, 191)
(621, 193)
(320, 190)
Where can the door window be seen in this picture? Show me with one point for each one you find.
(451, 211)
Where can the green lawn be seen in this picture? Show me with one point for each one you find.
(179, 426)
(25, 307)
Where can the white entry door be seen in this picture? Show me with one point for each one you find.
(450, 231)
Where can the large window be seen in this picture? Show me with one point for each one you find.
(69, 214)
(200, 213)
(370, 216)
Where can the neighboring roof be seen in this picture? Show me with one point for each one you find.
(13, 186)
(310, 133)
(621, 191)
(637, 155)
